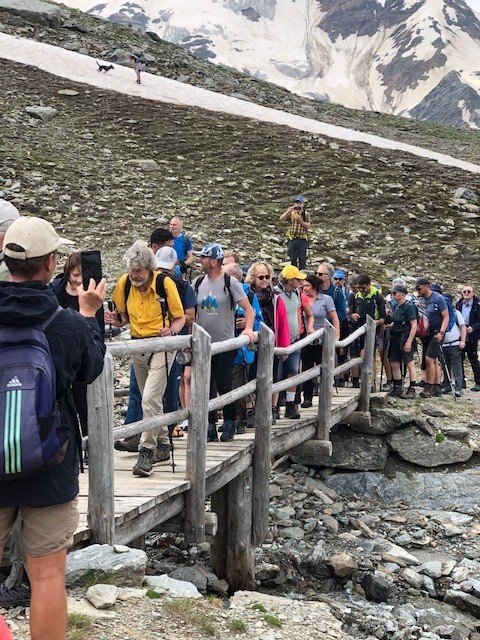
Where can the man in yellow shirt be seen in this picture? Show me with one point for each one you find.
(150, 315)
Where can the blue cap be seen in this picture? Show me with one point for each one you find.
(212, 250)
(299, 199)
(339, 274)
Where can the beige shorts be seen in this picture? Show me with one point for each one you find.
(45, 530)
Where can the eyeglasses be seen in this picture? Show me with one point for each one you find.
(263, 277)
(338, 278)
(319, 273)
(467, 291)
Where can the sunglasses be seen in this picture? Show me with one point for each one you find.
(263, 277)
(338, 278)
(319, 273)
(467, 291)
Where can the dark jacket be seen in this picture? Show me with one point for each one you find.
(338, 297)
(58, 286)
(474, 321)
(77, 350)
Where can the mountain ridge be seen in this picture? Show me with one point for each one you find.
(386, 56)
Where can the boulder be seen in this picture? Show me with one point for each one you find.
(377, 586)
(415, 446)
(36, 11)
(464, 602)
(102, 596)
(343, 564)
(384, 421)
(174, 588)
(192, 575)
(127, 569)
(41, 113)
(350, 451)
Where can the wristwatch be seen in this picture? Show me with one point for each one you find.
(173, 333)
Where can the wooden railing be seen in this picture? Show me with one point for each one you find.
(102, 434)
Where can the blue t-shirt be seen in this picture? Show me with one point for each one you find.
(434, 305)
(182, 245)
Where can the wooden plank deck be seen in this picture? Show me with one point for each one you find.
(145, 502)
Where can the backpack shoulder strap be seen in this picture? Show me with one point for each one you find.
(126, 292)
(197, 283)
(227, 279)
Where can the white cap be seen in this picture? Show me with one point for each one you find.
(8, 211)
(36, 236)
(166, 258)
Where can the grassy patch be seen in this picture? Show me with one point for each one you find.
(77, 626)
(153, 595)
(94, 576)
(258, 606)
(439, 437)
(240, 626)
(196, 615)
(273, 620)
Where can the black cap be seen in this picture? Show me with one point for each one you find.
(423, 281)
(399, 289)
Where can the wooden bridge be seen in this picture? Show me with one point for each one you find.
(118, 507)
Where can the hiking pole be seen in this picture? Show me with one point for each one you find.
(172, 448)
(446, 371)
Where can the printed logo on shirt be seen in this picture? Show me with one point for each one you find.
(210, 304)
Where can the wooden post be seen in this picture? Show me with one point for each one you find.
(101, 494)
(325, 390)
(367, 366)
(263, 426)
(197, 436)
(240, 554)
(218, 547)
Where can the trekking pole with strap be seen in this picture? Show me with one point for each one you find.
(163, 307)
(446, 371)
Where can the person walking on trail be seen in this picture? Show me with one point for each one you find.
(403, 327)
(274, 313)
(437, 313)
(453, 347)
(181, 243)
(299, 224)
(46, 500)
(150, 303)
(288, 289)
(217, 296)
(469, 306)
(138, 63)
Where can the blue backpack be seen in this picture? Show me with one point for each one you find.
(32, 436)
(452, 317)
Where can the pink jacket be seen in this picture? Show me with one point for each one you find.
(282, 330)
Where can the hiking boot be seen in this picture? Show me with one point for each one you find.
(306, 404)
(228, 431)
(475, 388)
(275, 415)
(409, 393)
(250, 419)
(396, 392)
(14, 597)
(436, 390)
(427, 391)
(212, 435)
(144, 463)
(129, 444)
(162, 453)
(291, 412)
(422, 383)
(355, 383)
(387, 386)
(240, 427)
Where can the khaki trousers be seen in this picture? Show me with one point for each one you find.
(151, 371)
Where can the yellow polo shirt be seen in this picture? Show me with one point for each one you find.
(144, 310)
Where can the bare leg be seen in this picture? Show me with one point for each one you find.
(48, 610)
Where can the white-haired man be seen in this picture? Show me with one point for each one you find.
(136, 297)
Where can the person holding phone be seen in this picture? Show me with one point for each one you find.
(65, 287)
(297, 233)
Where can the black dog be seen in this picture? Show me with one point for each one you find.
(104, 67)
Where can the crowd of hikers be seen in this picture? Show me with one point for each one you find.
(422, 339)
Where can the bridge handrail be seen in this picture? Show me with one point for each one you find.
(101, 419)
